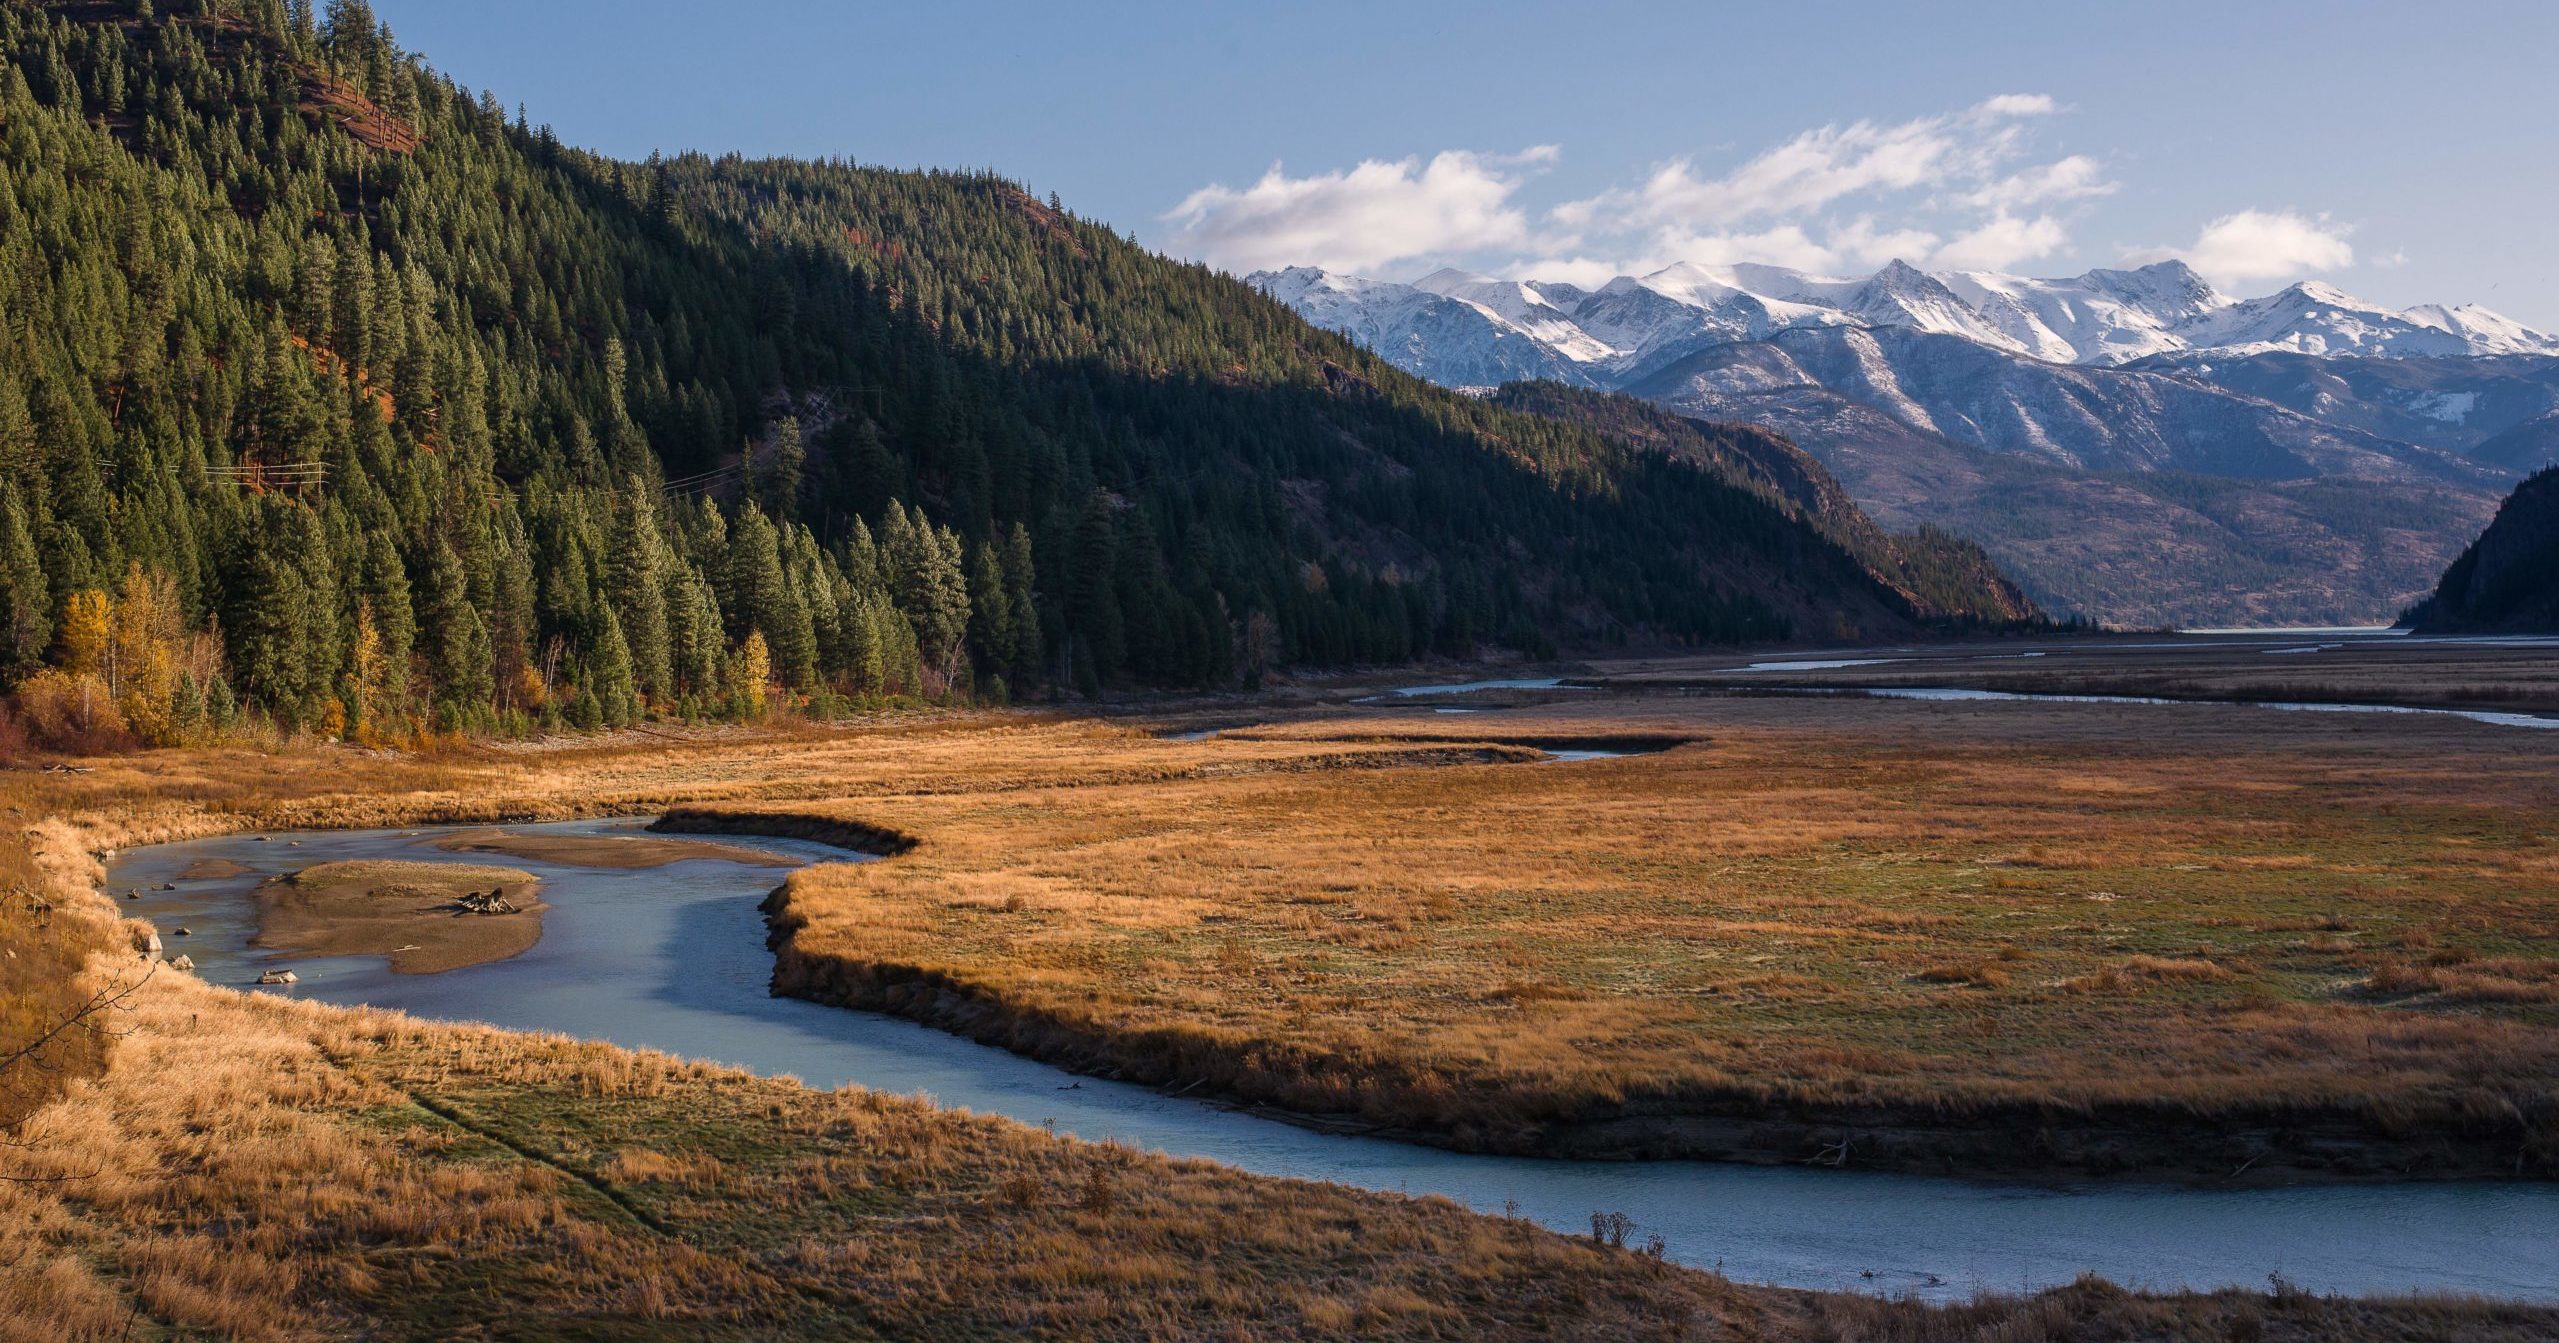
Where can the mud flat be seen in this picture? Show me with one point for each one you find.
(417, 915)
(613, 851)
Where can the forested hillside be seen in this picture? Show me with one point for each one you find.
(2508, 580)
(337, 393)
(1943, 574)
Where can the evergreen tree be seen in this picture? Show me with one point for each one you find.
(282, 618)
(26, 599)
(991, 632)
(454, 640)
(393, 616)
(608, 674)
(636, 572)
(1024, 668)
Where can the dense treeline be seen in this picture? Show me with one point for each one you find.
(336, 393)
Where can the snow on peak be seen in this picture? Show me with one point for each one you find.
(1634, 323)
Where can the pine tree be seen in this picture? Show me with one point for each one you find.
(991, 631)
(608, 676)
(694, 639)
(387, 602)
(930, 587)
(454, 640)
(1092, 600)
(762, 602)
(26, 599)
(635, 570)
(1024, 670)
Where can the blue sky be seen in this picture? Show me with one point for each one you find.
(2402, 152)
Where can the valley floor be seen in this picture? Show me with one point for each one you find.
(2336, 944)
(1992, 938)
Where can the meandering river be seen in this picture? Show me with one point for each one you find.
(673, 958)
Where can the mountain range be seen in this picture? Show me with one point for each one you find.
(1451, 323)
(2133, 444)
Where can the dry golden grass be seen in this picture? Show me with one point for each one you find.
(257, 1169)
(1904, 936)
(321, 1170)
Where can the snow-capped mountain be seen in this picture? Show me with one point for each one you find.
(1634, 325)
(2133, 443)
(2319, 319)
(1447, 340)
(2083, 417)
(2102, 317)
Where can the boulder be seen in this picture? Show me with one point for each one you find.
(183, 962)
(279, 977)
(146, 940)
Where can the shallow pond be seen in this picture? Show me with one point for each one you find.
(673, 958)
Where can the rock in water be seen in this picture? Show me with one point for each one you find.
(185, 963)
(279, 977)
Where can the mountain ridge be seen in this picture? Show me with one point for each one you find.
(2102, 316)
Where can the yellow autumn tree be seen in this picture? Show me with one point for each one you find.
(83, 636)
(146, 629)
(369, 676)
(752, 674)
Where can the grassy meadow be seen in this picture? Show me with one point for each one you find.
(1868, 912)
(2319, 953)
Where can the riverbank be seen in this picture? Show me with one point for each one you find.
(674, 959)
(404, 1169)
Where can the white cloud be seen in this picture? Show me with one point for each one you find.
(1960, 188)
(2002, 244)
(2017, 105)
(1831, 163)
(2060, 180)
(1370, 216)
(2253, 245)
(1958, 170)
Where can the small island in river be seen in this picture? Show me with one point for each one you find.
(426, 918)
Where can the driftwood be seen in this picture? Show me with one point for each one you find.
(481, 902)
